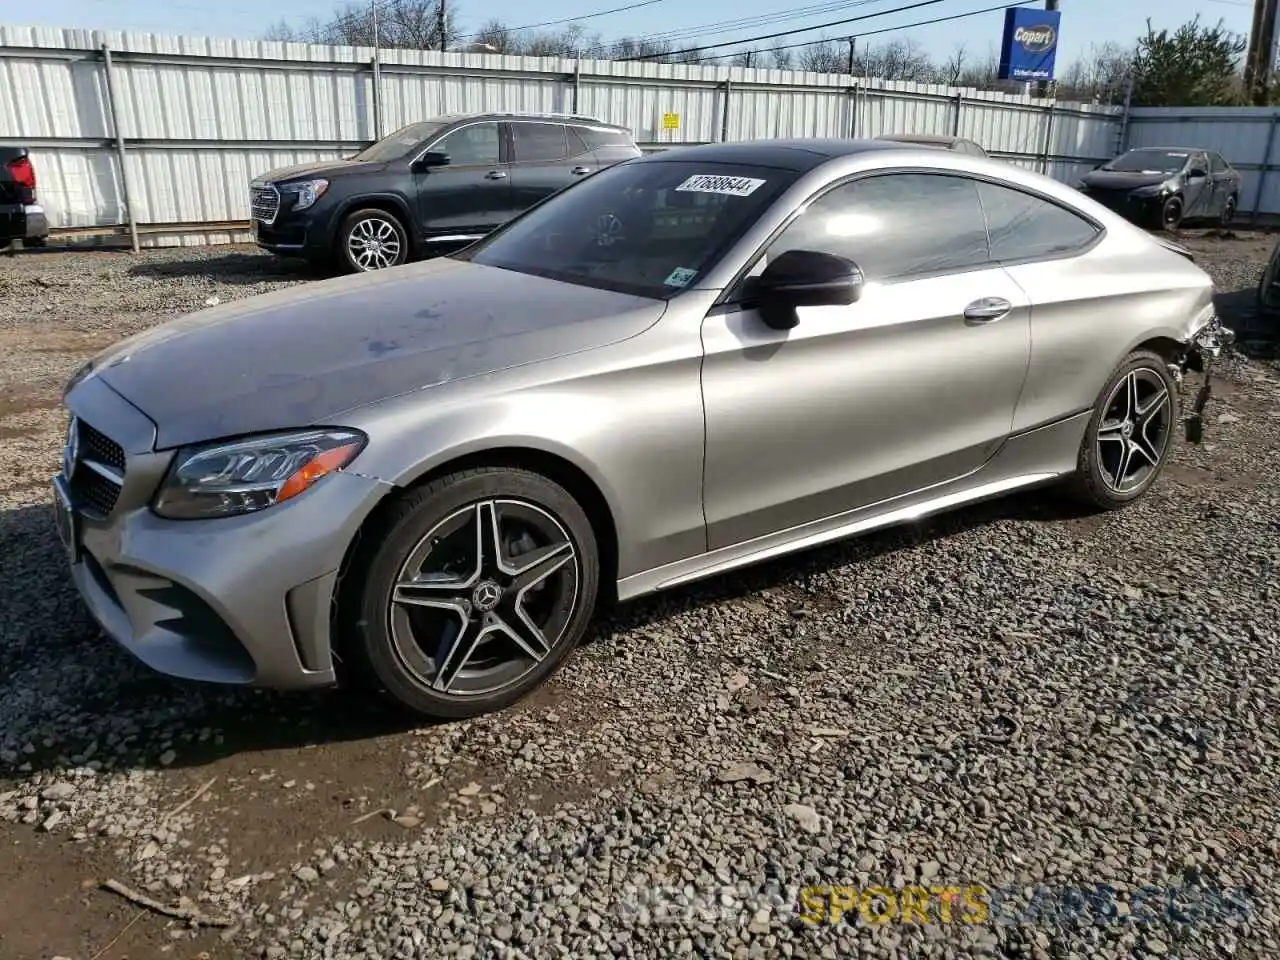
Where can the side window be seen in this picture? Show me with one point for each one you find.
(597, 137)
(539, 141)
(577, 146)
(894, 226)
(1022, 226)
(474, 143)
(1217, 164)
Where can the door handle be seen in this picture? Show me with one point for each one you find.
(496, 175)
(987, 309)
(579, 171)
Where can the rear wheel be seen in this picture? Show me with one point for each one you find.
(1130, 434)
(372, 239)
(1228, 211)
(478, 587)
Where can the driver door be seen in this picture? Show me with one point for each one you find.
(470, 195)
(863, 403)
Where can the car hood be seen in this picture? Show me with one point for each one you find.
(303, 355)
(1122, 180)
(320, 168)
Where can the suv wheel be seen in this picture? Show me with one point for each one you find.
(475, 590)
(372, 239)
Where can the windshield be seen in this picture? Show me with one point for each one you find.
(1148, 161)
(404, 141)
(646, 228)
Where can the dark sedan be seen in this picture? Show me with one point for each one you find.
(1164, 186)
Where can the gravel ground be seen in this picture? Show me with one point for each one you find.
(1016, 698)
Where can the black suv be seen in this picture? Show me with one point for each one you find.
(428, 187)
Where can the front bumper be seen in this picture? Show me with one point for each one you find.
(237, 600)
(1136, 208)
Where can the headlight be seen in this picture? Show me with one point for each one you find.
(1155, 190)
(226, 479)
(309, 191)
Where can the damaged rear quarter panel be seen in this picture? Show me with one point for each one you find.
(1089, 312)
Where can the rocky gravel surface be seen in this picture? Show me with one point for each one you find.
(1049, 734)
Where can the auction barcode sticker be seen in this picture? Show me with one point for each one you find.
(713, 183)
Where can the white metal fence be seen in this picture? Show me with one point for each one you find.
(191, 120)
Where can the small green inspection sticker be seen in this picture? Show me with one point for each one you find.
(680, 277)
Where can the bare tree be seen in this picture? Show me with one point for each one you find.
(953, 68)
(825, 56)
(781, 58)
(412, 24)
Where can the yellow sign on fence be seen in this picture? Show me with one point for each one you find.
(670, 121)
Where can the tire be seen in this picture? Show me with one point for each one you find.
(379, 234)
(1228, 212)
(1106, 439)
(403, 647)
(1171, 214)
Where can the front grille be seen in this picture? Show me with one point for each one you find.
(95, 467)
(264, 203)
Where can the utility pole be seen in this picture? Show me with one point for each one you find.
(853, 45)
(1261, 51)
(373, 7)
(443, 36)
(1042, 86)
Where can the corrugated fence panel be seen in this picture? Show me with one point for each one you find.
(205, 115)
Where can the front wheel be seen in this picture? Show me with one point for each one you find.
(478, 587)
(372, 239)
(1171, 214)
(1130, 434)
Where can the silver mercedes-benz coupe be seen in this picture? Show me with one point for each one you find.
(429, 477)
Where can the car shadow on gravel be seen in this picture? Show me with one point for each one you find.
(68, 694)
(1257, 336)
(242, 268)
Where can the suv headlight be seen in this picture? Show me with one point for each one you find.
(226, 479)
(308, 191)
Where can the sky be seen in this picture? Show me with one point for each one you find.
(1084, 22)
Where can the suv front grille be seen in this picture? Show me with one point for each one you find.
(94, 465)
(264, 203)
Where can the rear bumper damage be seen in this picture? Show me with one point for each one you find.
(1205, 345)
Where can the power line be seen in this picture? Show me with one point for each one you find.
(872, 33)
(789, 33)
(762, 20)
(584, 16)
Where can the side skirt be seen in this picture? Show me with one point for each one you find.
(1037, 457)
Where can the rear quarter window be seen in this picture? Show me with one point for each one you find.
(1024, 227)
(597, 137)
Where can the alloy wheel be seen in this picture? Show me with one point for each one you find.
(374, 244)
(1134, 432)
(484, 597)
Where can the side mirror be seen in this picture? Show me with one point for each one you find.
(432, 158)
(1197, 173)
(805, 278)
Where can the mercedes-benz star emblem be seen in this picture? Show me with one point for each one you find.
(71, 450)
(486, 595)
